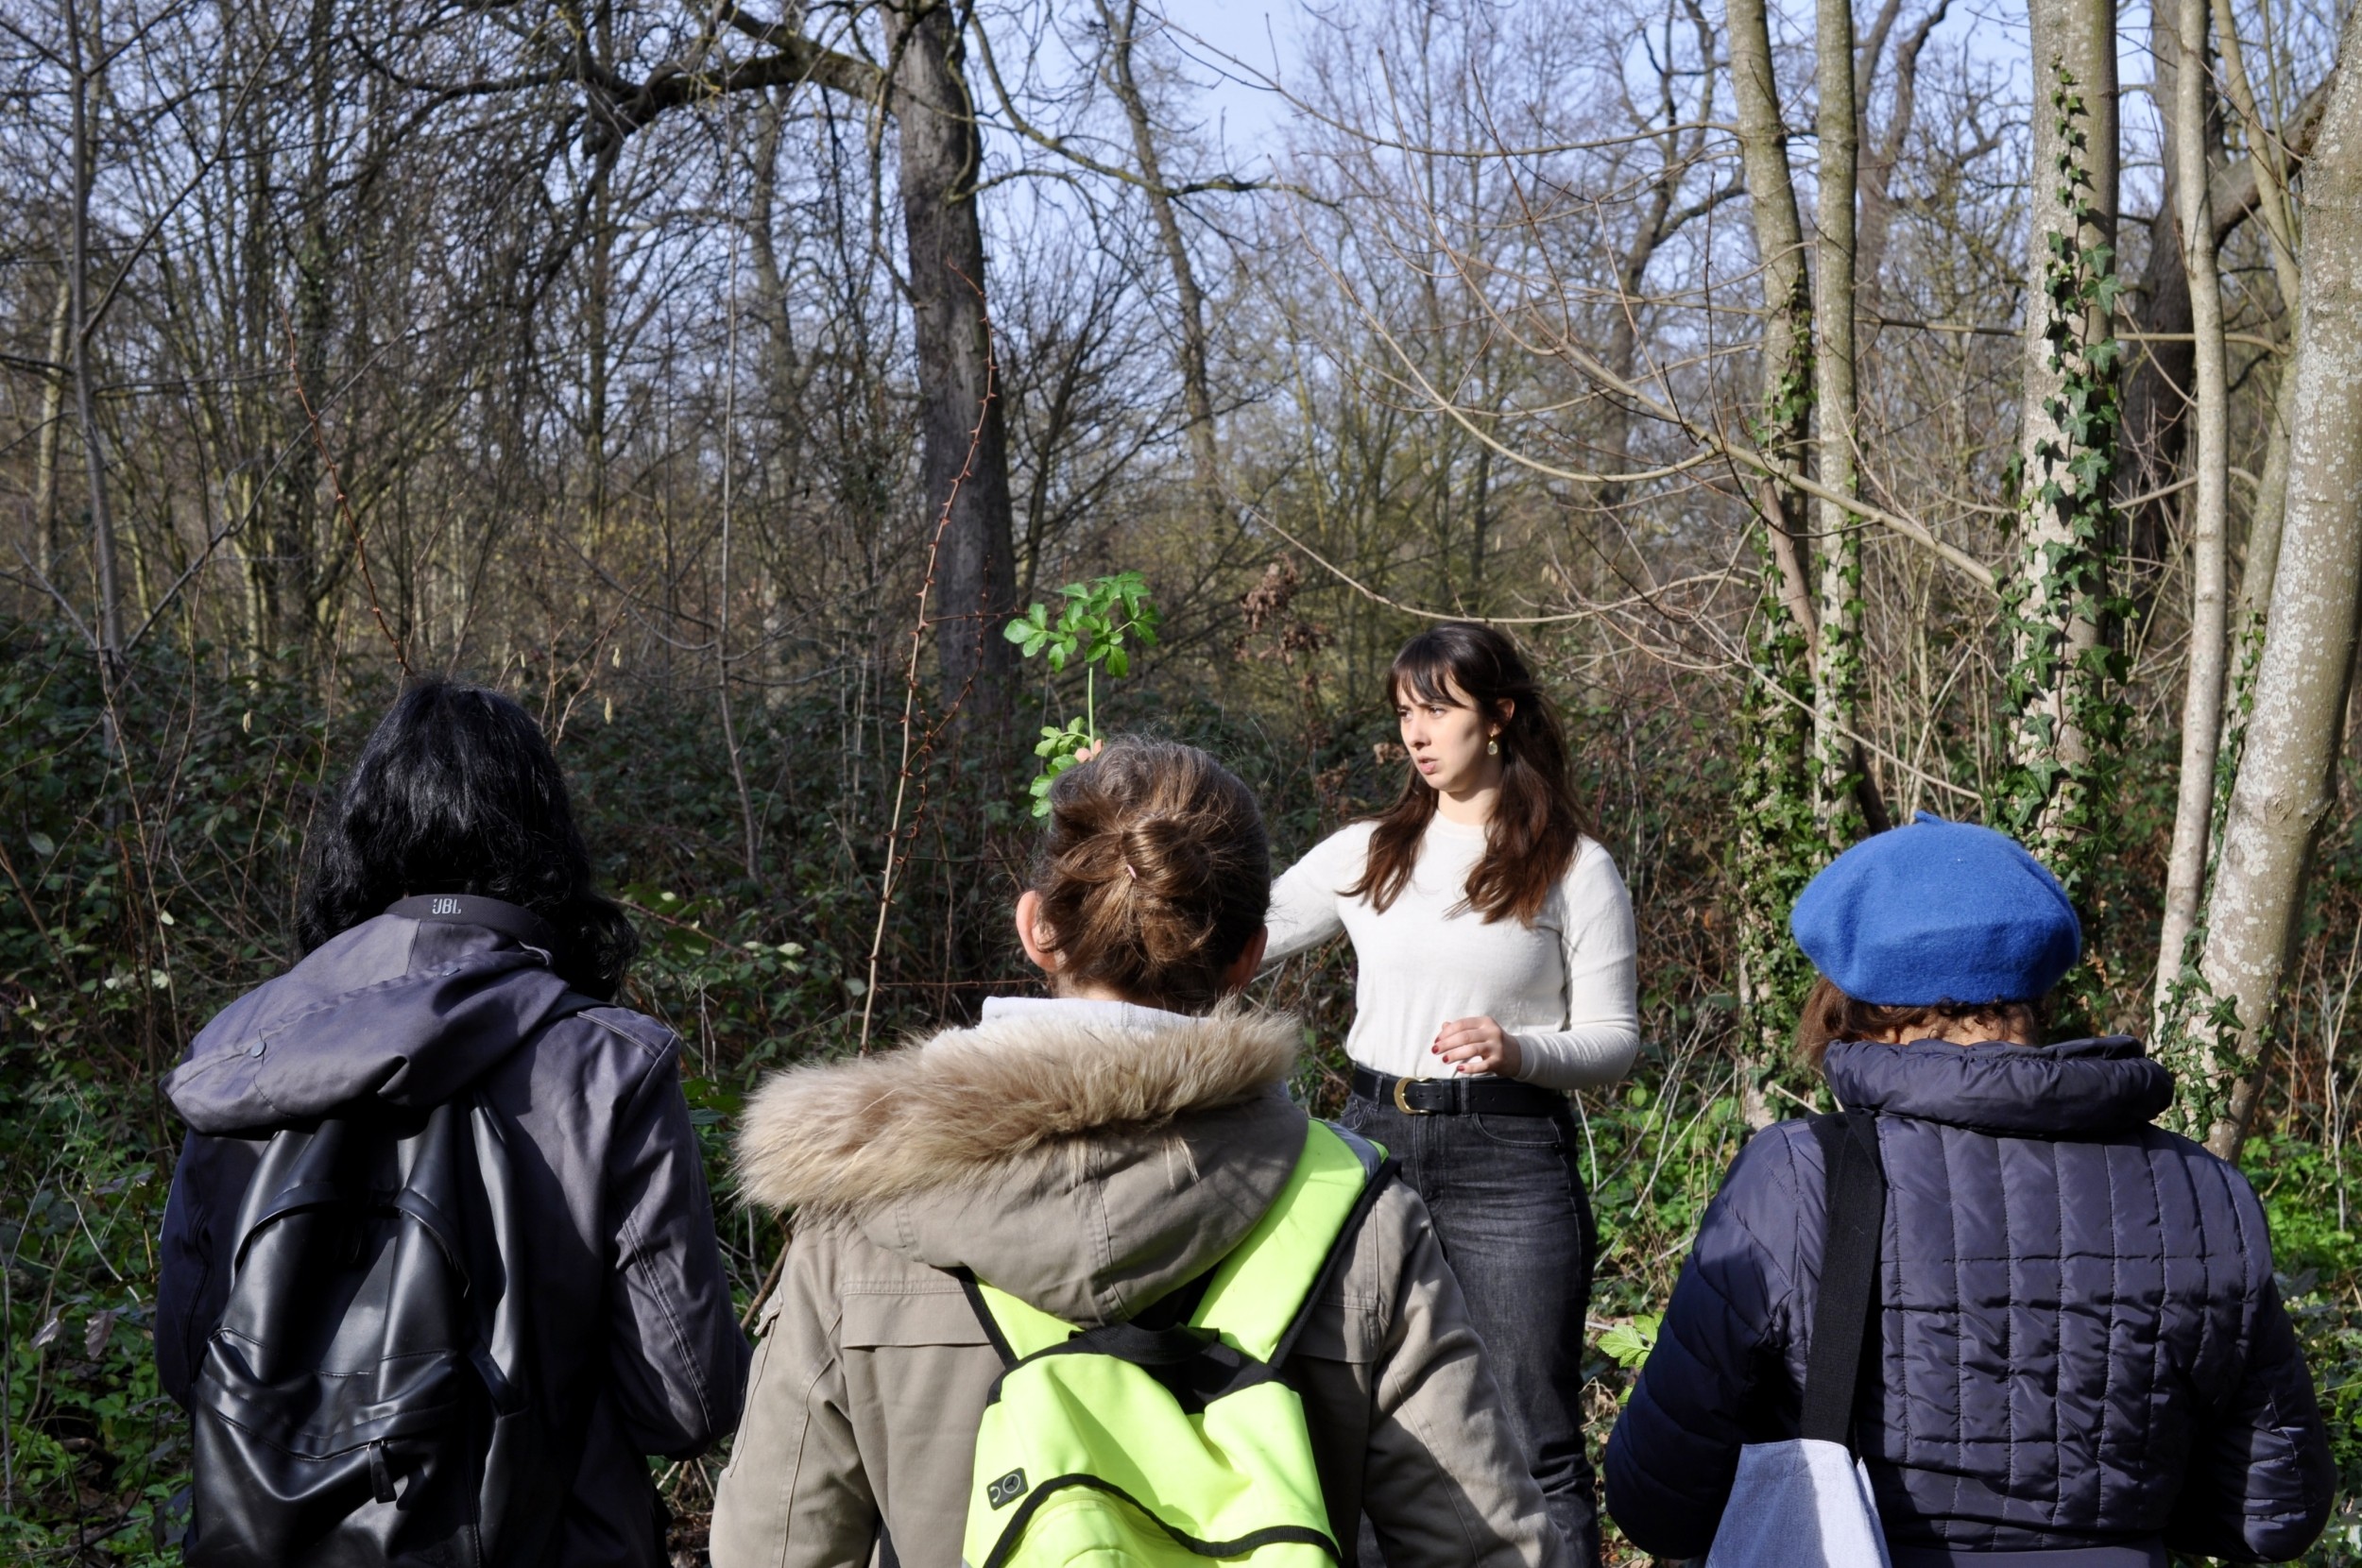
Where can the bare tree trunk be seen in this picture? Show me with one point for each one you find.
(1877, 171)
(1787, 376)
(782, 386)
(2266, 149)
(783, 381)
(1658, 222)
(110, 618)
(46, 447)
(2157, 388)
(1197, 399)
(1837, 665)
(2271, 507)
(2245, 641)
(2210, 509)
(2068, 439)
(965, 462)
(2287, 778)
(255, 425)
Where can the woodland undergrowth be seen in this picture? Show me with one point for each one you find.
(148, 868)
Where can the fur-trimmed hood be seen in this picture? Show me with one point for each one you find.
(1086, 1164)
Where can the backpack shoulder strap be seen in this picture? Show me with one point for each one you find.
(1856, 1213)
(1259, 1289)
(1260, 1294)
(1379, 1169)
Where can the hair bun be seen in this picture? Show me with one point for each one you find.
(1165, 858)
(1154, 873)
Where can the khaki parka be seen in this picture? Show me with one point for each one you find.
(1089, 1159)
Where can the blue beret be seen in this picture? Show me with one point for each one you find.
(1935, 912)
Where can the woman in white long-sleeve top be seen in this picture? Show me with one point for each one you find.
(1494, 955)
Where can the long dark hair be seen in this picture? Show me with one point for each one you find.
(1535, 829)
(457, 792)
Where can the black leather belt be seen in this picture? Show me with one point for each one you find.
(1457, 1096)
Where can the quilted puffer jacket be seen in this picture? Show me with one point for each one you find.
(2080, 1341)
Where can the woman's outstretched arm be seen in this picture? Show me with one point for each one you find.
(1306, 902)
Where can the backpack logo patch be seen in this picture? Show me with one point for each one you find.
(1007, 1489)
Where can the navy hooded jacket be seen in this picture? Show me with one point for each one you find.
(2079, 1340)
(637, 1346)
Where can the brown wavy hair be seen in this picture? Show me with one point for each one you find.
(1535, 829)
(1829, 1015)
(1155, 872)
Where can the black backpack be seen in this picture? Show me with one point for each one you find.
(366, 1399)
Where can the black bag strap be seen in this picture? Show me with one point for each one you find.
(1849, 1273)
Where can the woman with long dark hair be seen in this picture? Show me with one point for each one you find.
(1494, 947)
(458, 958)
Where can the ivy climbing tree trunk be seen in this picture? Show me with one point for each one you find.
(1778, 843)
(1787, 373)
(2288, 771)
(1836, 661)
(2063, 689)
(2210, 506)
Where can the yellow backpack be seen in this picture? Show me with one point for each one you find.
(1123, 1446)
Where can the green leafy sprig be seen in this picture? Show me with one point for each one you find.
(1093, 622)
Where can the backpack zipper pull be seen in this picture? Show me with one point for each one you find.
(380, 1474)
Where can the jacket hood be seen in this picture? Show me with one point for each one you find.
(2078, 1088)
(401, 1010)
(1084, 1165)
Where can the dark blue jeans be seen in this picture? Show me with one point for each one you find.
(1517, 1228)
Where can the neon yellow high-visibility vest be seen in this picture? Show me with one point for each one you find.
(1126, 1447)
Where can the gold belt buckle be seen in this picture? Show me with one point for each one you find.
(1402, 1100)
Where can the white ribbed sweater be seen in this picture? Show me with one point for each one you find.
(1564, 986)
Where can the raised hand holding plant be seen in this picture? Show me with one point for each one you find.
(1094, 619)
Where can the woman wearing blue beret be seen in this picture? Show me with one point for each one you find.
(2076, 1356)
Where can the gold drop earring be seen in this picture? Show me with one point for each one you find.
(1492, 748)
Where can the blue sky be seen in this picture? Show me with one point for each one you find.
(1261, 34)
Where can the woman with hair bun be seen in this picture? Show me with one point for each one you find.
(1098, 1155)
(1494, 951)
